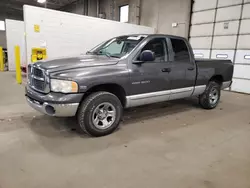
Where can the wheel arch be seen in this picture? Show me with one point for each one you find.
(113, 88)
(217, 78)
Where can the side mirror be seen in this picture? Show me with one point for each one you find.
(147, 55)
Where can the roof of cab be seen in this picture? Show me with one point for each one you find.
(153, 35)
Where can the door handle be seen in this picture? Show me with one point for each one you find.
(166, 70)
(190, 68)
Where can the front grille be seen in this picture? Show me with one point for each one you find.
(39, 85)
(37, 79)
(38, 72)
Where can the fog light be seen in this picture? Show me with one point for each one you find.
(50, 110)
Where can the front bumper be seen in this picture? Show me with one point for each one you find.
(54, 104)
(58, 110)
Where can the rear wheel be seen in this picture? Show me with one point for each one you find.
(99, 114)
(211, 97)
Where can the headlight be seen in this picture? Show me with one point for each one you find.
(63, 86)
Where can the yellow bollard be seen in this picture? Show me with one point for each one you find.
(1, 59)
(18, 65)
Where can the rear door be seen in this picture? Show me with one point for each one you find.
(183, 70)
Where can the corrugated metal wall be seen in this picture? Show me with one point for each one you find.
(220, 29)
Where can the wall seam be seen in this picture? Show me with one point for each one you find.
(221, 49)
(237, 38)
(227, 6)
(244, 3)
(248, 79)
(242, 64)
(204, 23)
(212, 40)
(204, 36)
(190, 19)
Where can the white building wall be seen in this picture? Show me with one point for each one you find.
(15, 35)
(67, 34)
(229, 21)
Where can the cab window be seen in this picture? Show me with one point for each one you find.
(158, 46)
(180, 50)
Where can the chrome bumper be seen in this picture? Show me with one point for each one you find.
(57, 110)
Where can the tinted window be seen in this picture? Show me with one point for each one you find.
(117, 47)
(158, 46)
(114, 48)
(180, 50)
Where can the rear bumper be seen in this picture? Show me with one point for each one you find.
(226, 84)
(54, 104)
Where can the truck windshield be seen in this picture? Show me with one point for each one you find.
(117, 47)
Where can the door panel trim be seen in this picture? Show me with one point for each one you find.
(160, 96)
(181, 93)
(147, 98)
(199, 90)
(181, 90)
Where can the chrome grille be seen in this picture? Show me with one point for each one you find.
(39, 85)
(38, 72)
(37, 79)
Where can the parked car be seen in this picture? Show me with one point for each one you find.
(124, 72)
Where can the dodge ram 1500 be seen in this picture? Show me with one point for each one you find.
(124, 72)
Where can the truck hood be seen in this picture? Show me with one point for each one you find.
(76, 62)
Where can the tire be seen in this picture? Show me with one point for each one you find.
(99, 114)
(211, 96)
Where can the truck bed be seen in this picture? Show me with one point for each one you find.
(206, 68)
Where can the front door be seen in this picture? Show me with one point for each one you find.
(149, 80)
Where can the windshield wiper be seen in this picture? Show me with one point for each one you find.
(89, 52)
(106, 54)
(115, 56)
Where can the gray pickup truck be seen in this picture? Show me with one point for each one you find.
(124, 72)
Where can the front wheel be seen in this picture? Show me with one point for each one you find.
(211, 97)
(99, 114)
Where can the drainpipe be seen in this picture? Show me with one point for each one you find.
(158, 16)
(97, 8)
(86, 4)
(138, 12)
(112, 11)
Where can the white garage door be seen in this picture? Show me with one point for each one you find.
(220, 29)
